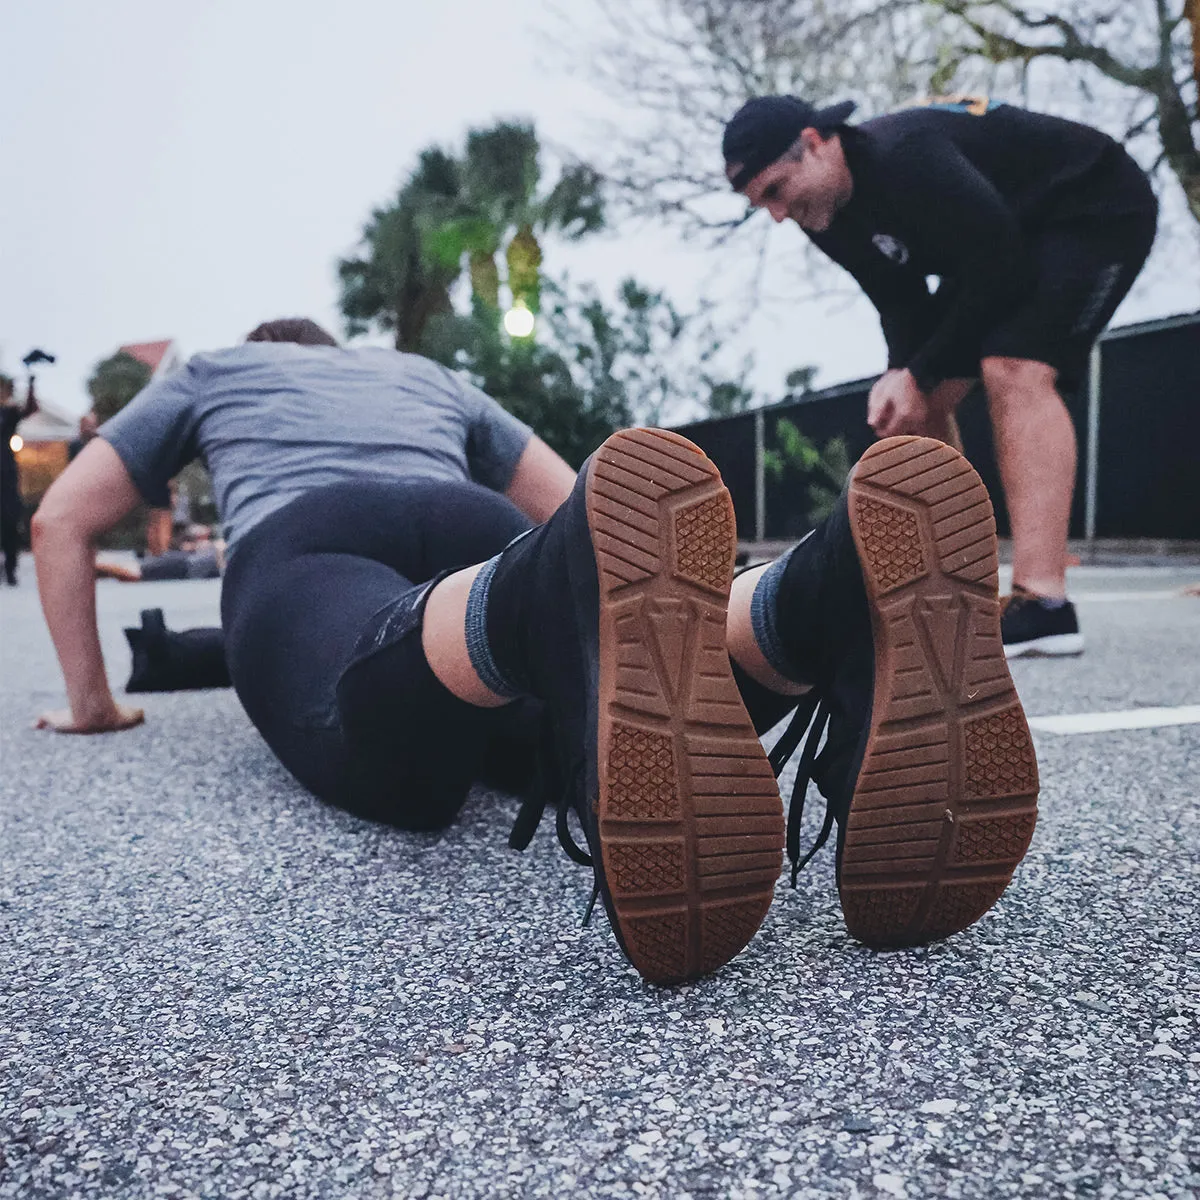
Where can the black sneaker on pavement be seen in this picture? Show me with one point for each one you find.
(1031, 627)
(928, 766)
(613, 614)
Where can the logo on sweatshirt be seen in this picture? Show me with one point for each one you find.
(891, 247)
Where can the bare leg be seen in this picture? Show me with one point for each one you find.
(1035, 446)
(941, 404)
(444, 640)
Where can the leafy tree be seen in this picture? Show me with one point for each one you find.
(115, 381)
(502, 203)
(796, 460)
(799, 382)
(396, 285)
(467, 212)
(595, 368)
(534, 382)
(659, 361)
(592, 368)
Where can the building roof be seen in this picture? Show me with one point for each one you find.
(150, 353)
(46, 426)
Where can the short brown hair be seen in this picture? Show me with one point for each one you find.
(300, 330)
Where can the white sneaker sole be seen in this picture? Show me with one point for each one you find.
(1058, 645)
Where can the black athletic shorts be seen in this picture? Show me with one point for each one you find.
(1084, 269)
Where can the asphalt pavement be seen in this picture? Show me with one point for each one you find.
(213, 986)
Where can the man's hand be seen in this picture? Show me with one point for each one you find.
(896, 405)
(113, 720)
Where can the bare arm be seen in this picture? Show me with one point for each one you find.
(540, 482)
(90, 496)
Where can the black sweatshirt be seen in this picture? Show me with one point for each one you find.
(954, 190)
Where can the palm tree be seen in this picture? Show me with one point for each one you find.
(395, 284)
(452, 212)
(503, 203)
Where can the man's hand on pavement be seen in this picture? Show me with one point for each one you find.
(896, 405)
(120, 716)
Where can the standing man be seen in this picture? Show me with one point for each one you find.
(11, 415)
(996, 244)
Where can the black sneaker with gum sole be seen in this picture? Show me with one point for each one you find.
(680, 807)
(945, 793)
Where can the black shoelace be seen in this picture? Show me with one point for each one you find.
(811, 715)
(552, 787)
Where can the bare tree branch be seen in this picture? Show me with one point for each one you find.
(1073, 47)
(682, 67)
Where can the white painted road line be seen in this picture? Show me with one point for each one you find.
(1104, 722)
(1096, 597)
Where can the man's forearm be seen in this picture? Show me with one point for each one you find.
(974, 311)
(65, 562)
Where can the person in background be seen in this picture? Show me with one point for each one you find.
(195, 554)
(11, 506)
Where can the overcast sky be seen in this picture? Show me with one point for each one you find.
(188, 170)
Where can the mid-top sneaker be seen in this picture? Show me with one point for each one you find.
(613, 615)
(1034, 626)
(928, 766)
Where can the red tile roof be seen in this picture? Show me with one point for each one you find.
(151, 353)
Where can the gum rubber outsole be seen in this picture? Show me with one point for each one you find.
(946, 797)
(689, 816)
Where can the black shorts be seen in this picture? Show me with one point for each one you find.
(1084, 269)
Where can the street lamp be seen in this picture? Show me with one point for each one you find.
(32, 359)
(518, 321)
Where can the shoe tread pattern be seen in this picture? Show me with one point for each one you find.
(946, 798)
(689, 815)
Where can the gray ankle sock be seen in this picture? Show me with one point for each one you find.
(478, 647)
(764, 604)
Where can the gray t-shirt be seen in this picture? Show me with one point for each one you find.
(272, 421)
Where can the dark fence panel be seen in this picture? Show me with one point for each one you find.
(1149, 476)
(837, 412)
(729, 442)
(1148, 483)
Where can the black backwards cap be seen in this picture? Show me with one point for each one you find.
(764, 127)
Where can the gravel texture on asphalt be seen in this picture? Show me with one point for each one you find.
(213, 986)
